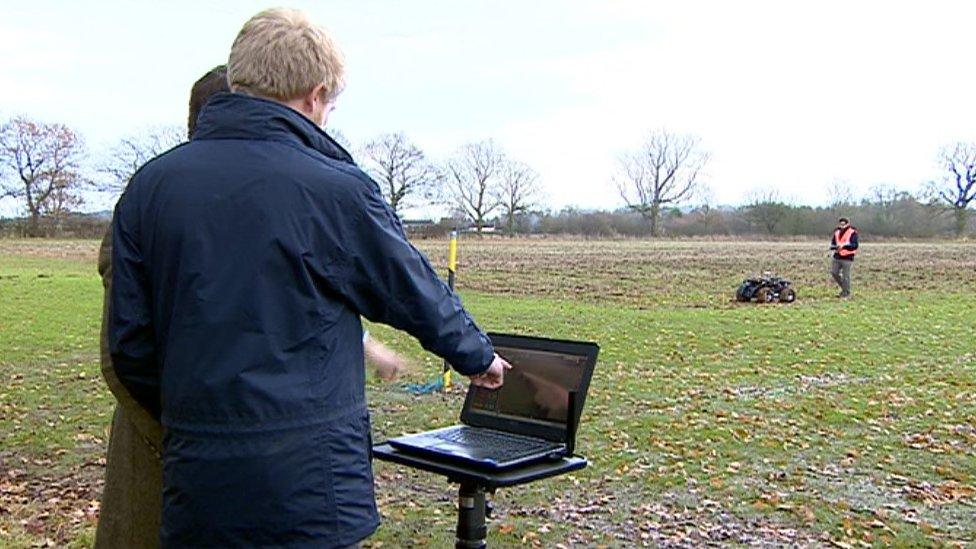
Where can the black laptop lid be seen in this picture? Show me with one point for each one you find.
(534, 399)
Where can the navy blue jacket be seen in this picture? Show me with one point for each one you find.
(242, 263)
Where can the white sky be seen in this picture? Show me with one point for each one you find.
(786, 94)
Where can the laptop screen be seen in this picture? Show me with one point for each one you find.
(536, 388)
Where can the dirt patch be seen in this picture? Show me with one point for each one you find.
(52, 509)
(677, 519)
(649, 273)
(51, 249)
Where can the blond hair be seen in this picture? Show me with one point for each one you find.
(280, 54)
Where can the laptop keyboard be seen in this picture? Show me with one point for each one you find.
(502, 446)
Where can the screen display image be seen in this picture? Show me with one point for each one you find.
(537, 387)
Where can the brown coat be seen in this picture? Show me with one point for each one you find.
(132, 498)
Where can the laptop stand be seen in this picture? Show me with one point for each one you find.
(473, 509)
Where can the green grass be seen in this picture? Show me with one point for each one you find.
(824, 421)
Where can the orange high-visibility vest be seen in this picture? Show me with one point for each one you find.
(843, 238)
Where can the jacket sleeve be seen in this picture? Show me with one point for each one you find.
(833, 242)
(148, 427)
(387, 280)
(853, 244)
(132, 343)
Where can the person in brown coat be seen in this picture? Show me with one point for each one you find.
(131, 506)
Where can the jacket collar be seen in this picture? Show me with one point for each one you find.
(240, 116)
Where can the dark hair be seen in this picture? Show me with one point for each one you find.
(843, 220)
(213, 82)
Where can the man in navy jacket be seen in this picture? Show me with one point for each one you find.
(242, 262)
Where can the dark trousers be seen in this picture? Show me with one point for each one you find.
(840, 269)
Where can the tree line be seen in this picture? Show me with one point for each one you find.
(903, 217)
(48, 169)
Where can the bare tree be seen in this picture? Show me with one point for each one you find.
(958, 188)
(45, 163)
(519, 191)
(664, 170)
(402, 170)
(839, 194)
(61, 203)
(767, 209)
(710, 217)
(474, 177)
(883, 199)
(132, 151)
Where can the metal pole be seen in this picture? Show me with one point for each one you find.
(451, 270)
(471, 528)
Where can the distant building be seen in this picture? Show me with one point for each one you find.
(425, 228)
(410, 224)
(487, 229)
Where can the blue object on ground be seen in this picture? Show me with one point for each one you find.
(424, 388)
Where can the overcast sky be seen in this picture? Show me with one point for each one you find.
(785, 94)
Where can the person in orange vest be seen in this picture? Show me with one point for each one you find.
(844, 245)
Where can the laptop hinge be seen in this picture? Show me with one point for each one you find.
(571, 423)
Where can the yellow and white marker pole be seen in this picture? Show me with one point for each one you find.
(451, 270)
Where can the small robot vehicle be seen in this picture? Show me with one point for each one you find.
(766, 289)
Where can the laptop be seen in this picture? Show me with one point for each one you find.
(532, 417)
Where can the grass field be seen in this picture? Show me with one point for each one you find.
(824, 422)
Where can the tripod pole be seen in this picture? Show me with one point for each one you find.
(471, 528)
